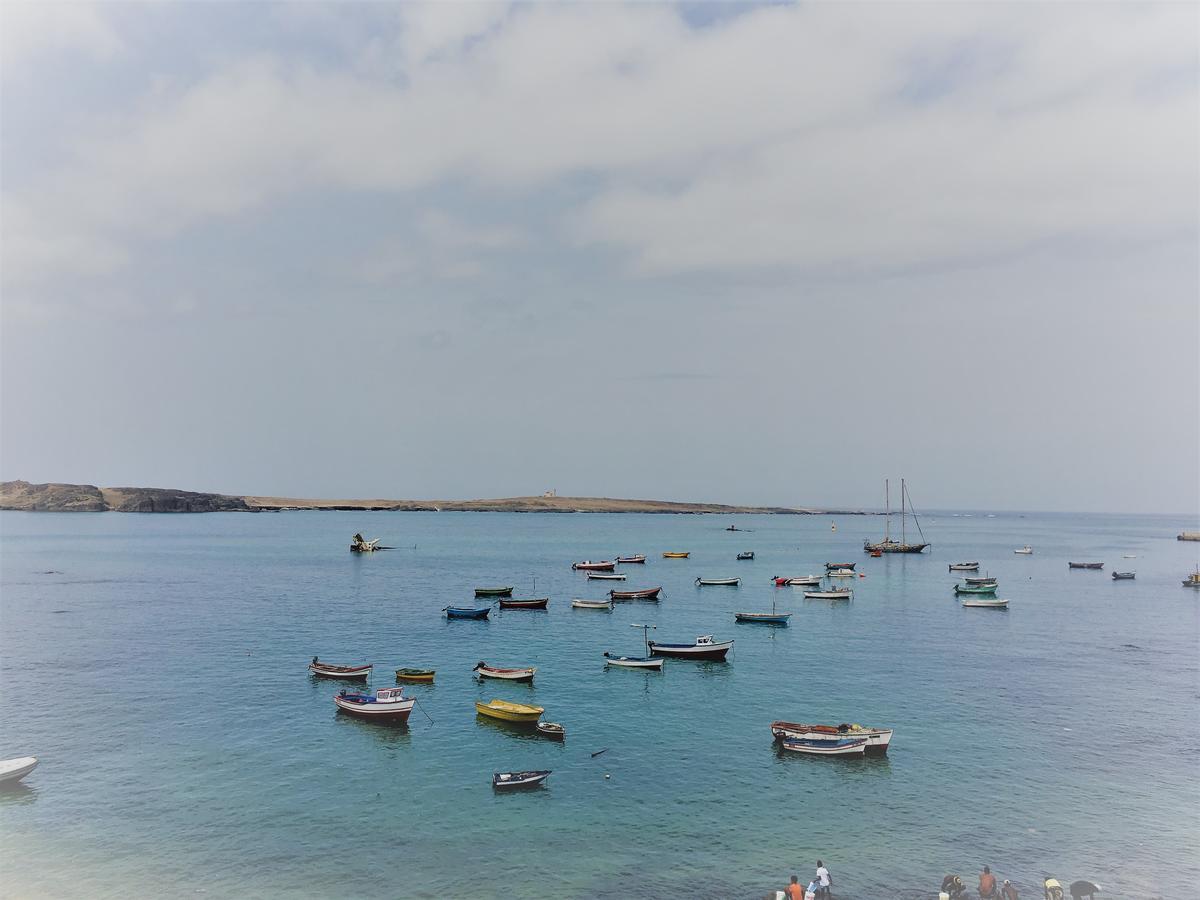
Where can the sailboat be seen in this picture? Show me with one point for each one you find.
(772, 618)
(888, 545)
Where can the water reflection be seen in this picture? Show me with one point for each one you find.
(389, 734)
(519, 730)
(17, 792)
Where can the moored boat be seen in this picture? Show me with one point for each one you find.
(633, 662)
(989, 588)
(727, 582)
(746, 554)
(677, 555)
(606, 576)
(878, 739)
(876, 553)
(1085, 565)
(762, 618)
(486, 671)
(424, 676)
(552, 730)
(514, 780)
(636, 558)
(888, 544)
(1024, 551)
(840, 573)
(805, 581)
(385, 705)
(1193, 580)
(493, 591)
(984, 603)
(329, 670)
(984, 579)
(964, 567)
(17, 768)
(839, 565)
(1123, 576)
(704, 647)
(645, 594)
(538, 603)
(842, 747)
(518, 713)
(831, 594)
(466, 612)
(592, 604)
(588, 566)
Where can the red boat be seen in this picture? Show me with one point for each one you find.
(540, 603)
(588, 566)
(648, 594)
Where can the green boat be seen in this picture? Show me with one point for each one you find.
(421, 675)
(975, 588)
(493, 592)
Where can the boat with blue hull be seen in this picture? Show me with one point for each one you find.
(463, 612)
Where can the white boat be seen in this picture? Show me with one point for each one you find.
(964, 567)
(703, 648)
(981, 579)
(878, 739)
(592, 604)
(844, 747)
(983, 603)
(1026, 550)
(634, 662)
(606, 576)
(805, 581)
(501, 780)
(385, 705)
(840, 573)
(832, 594)
(486, 671)
(730, 582)
(16, 769)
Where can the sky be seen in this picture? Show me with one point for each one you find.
(715, 252)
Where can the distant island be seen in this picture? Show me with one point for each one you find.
(21, 495)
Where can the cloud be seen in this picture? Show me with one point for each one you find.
(32, 28)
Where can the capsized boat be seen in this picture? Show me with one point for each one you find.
(727, 582)
(592, 604)
(17, 768)
(1123, 576)
(677, 555)
(989, 588)
(520, 713)
(984, 603)
(424, 676)
(494, 591)
(606, 576)
(466, 612)
(704, 647)
(964, 567)
(831, 594)
(514, 780)
(1025, 551)
(552, 730)
(538, 603)
(636, 558)
(1085, 565)
(362, 545)
(486, 671)
(329, 670)
(646, 594)
(588, 566)
(842, 747)
(878, 739)
(889, 544)
(385, 705)
(746, 554)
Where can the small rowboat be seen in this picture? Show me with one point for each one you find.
(328, 670)
(845, 565)
(606, 576)
(1123, 576)
(385, 705)
(988, 579)
(16, 769)
(465, 612)
(510, 712)
(588, 566)
(486, 671)
(493, 592)
(639, 558)
(878, 739)
(514, 780)
(676, 555)
(551, 730)
(1085, 565)
(647, 594)
(704, 647)
(805, 580)
(763, 618)
(539, 603)
(976, 588)
(728, 582)
(876, 553)
(418, 675)
(592, 604)
(843, 747)
(964, 567)
(749, 554)
(840, 573)
(1024, 551)
(831, 594)
(984, 604)
(633, 662)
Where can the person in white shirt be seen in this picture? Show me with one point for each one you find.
(824, 879)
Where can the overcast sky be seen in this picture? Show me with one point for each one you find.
(707, 252)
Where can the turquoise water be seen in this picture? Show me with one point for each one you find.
(157, 665)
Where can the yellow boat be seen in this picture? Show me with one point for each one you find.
(676, 555)
(510, 712)
(417, 675)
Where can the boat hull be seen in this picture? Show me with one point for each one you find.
(515, 781)
(606, 576)
(347, 673)
(551, 731)
(634, 662)
(15, 769)
(605, 566)
(1085, 565)
(517, 713)
(676, 555)
(651, 594)
(878, 739)
(718, 582)
(420, 676)
(493, 592)
(827, 595)
(525, 604)
(522, 674)
(455, 612)
(715, 651)
(631, 560)
(825, 748)
(392, 711)
(762, 618)
(984, 604)
(964, 567)
(606, 605)
(893, 547)
(976, 589)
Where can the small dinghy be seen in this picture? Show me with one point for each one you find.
(710, 582)
(989, 588)
(647, 594)
(878, 739)
(466, 612)
(633, 662)
(986, 579)
(748, 554)
(983, 603)
(514, 780)
(486, 671)
(763, 618)
(637, 558)
(1085, 565)
(840, 573)
(805, 581)
(677, 555)
(539, 603)
(493, 592)
(519, 713)
(328, 670)
(422, 676)
(964, 567)
(842, 565)
(385, 705)
(588, 566)
(15, 769)
(592, 604)
(551, 730)
(704, 647)
(837, 747)
(1025, 551)
(831, 594)
(606, 576)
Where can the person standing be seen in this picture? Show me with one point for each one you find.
(824, 881)
(987, 884)
(794, 891)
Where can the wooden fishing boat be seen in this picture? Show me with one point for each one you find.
(628, 560)
(606, 576)
(710, 582)
(539, 603)
(842, 747)
(762, 618)
(493, 591)
(677, 555)
(551, 730)
(878, 739)
(986, 579)
(633, 662)
(831, 594)
(520, 713)
(362, 545)
(982, 603)
(888, 544)
(840, 573)
(1193, 580)
(1085, 565)
(646, 594)
(465, 612)
(747, 554)
(976, 588)
(1024, 551)
(486, 671)
(423, 676)
(837, 565)
(964, 567)
(592, 604)
(328, 670)
(1123, 576)
(385, 705)
(17, 768)
(516, 780)
(805, 581)
(588, 566)
(704, 647)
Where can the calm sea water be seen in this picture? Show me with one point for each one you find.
(157, 665)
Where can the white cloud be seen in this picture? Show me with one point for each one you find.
(29, 28)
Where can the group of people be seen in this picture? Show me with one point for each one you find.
(819, 888)
(989, 889)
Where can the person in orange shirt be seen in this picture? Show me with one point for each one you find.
(987, 884)
(794, 891)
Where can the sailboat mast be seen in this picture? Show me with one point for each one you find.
(887, 500)
(903, 533)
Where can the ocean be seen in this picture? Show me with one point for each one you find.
(157, 666)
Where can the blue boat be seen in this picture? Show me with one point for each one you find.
(763, 618)
(459, 612)
(842, 747)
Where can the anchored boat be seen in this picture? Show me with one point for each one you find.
(16, 769)
(424, 676)
(878, 739)
(704, 647)
(888, 545)
(1024, 551)
(647, 594)
(771, 618)
(1123, 576)
(986, 579)
(486, 671)
(636, 558)
(989, 588)
(539, 603)
(493, 591)
(385, 705)
(519, 713)
(964, 567)
(465, 612)
(362, 545)
(984, 603)
(328, 670)
(842, 565)
(514, 780)
(1085, 565)
(588, 566)
(1193, 580)
(840, 573)
(682, 555)
(709, 582)
(592, 604)
(747, 554)
(831, 594)
(606, 576)
(636, 662)
(843, 747)
(551, 730)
